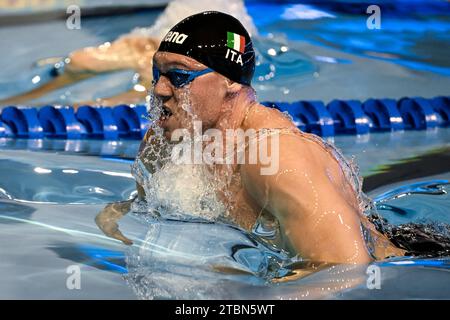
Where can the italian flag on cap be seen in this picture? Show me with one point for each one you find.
(235, 42)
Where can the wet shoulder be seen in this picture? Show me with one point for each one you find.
(309, 150)
(261, 118)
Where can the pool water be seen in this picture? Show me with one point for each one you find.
(51, 190)
(50, 195)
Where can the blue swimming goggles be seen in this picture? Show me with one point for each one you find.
(178, 77)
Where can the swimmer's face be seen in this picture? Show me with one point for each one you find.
(200, 100)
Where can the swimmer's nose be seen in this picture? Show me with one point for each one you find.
(163, 89)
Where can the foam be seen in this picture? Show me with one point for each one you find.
(179, 9)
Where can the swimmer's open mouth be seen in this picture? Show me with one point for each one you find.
(165, 113)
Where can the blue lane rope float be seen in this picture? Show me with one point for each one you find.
(130, 121)
(60, 122)
(417, 113)
(318, 119)
(383, 114)
(309, 116)
(23, 122)
(349, 117)
(5, 130)
(99, 122)
(441, 105)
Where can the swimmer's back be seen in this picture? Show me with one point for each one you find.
(313, 147)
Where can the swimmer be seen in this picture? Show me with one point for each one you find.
(133, 51)
(317, 209)
(128, 52)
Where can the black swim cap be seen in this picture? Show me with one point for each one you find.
(217, 40)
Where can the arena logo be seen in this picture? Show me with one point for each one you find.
(175, 37)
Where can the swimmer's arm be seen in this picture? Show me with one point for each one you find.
(107, 219)
(128, 97)
(128, 52)
(125, 53)
(313, 213)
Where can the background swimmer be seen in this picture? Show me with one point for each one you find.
(131, 51)
(310, 198)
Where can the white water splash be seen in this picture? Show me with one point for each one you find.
(175, 190)
(179, 9)
(304, 12)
